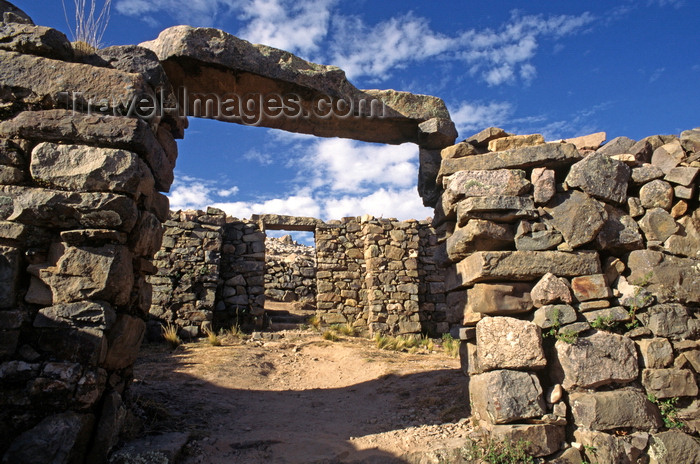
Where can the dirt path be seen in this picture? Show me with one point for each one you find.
(302, 399)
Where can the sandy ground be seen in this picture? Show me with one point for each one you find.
(302, 399)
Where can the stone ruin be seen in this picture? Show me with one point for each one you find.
(572, 266)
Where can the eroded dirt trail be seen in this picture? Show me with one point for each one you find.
(302, 399)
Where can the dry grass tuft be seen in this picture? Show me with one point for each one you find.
(170, 335)
(90, 24)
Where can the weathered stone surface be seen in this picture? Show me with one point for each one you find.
(670, 320)
(620, 233)
(549, 154)
(428, 167)
(82, 314)
(534, 238)
(10, 259)
(686, 242)
(67, 210)
(147, 235)
(544, 185)
(61, 438)
(669, 383)
(682, 175)
(588, 142)
(550, 289)
(635, 207)
(577, 216)
(499, 299)
(515, 141)
(669, 278)
(459, 150)
(436, 133)
(685, 193)
(478, 234)
(279, 222)
(556, 315)
(485, 136)
(668, 156)
(568, 456)
(135, 59)
(11, 14)
(656, 194)
(541, 439)
(590, 287)
(495, 208)
(108, 427)
(602, 447)
(103, 273)
(601, 177)
(524, 265)
(91, 169)
(672, 447)
(690, 140)
(504, 182)
(608, 410)
(124, 340)
(505, 396)
(599, 359)
(10, 175)
(457, 304)
(509, 343)
(608, 315)
(646, 173)
(228, 64)
(657, 224)
(65, 126)
(35, 40)
(94, 237)
(616, 146)
(656, 353)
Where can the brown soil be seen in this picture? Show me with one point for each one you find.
(301, 399)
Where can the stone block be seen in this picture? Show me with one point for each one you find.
(515, 141)
(668, 156)
(686, 241)
(544, 185)
(601, 177)
(673, 447)
(590, 287)
(599, 359)
(577, 216)
(645, 173)
(10, 258)
(656, 194)
(656, 353)
(669, 383)
(81, 314)
(509, 343)
(556, 315)
(499, 299)
(485, 136)
(608, 315)
(540, 439)
(668, 278)
(620, 232)
(459, 150)
(602, 447)
(480, 235)
(588, 142)
(657, 224)
(504, 396)
(609, 410)
(616, 146)
(124, 341)
(670, 320)
(495, 208)
(549, 155)
(35, 40)
(550, 289)
(436, 133)
(523, 265)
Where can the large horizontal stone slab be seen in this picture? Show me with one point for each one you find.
(495, 208)
(479, 234)
(523, 265)
(499, 299)
(608, 410)
(669, 278)
(106, 131)
(505, 396)
(282, 222)
(669, 383)
(505, 182)
(214, 65)
(67, 210)
(35, 40)
(549, 154)
(599, 359)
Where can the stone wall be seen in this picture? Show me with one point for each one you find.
(290, 270)
(578, 265)
(80, 218)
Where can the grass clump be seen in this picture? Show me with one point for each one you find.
(90, 24)
(315, 322)
(170, 335)
(212, 337)
(345, 329)
(668, 410)
(331, 335)
(450, 346)
(410, 344)
(498, 452)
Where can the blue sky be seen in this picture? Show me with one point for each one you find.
(561, 68)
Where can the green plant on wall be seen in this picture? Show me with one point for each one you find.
(668, 410)
(567, 336)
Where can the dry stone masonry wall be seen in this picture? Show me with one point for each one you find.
(290, 270)
(576, 269)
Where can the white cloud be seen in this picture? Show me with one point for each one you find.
(471, 116)
(399, 203)
(348, 166)
(295, 26)
(656, 75)
(194, 193)
(673, 3)
(264, 159)
(227, 192)
(295, 205)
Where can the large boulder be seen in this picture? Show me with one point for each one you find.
(577, 216)
(672, 447)
(668, 278)
(601, 177)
